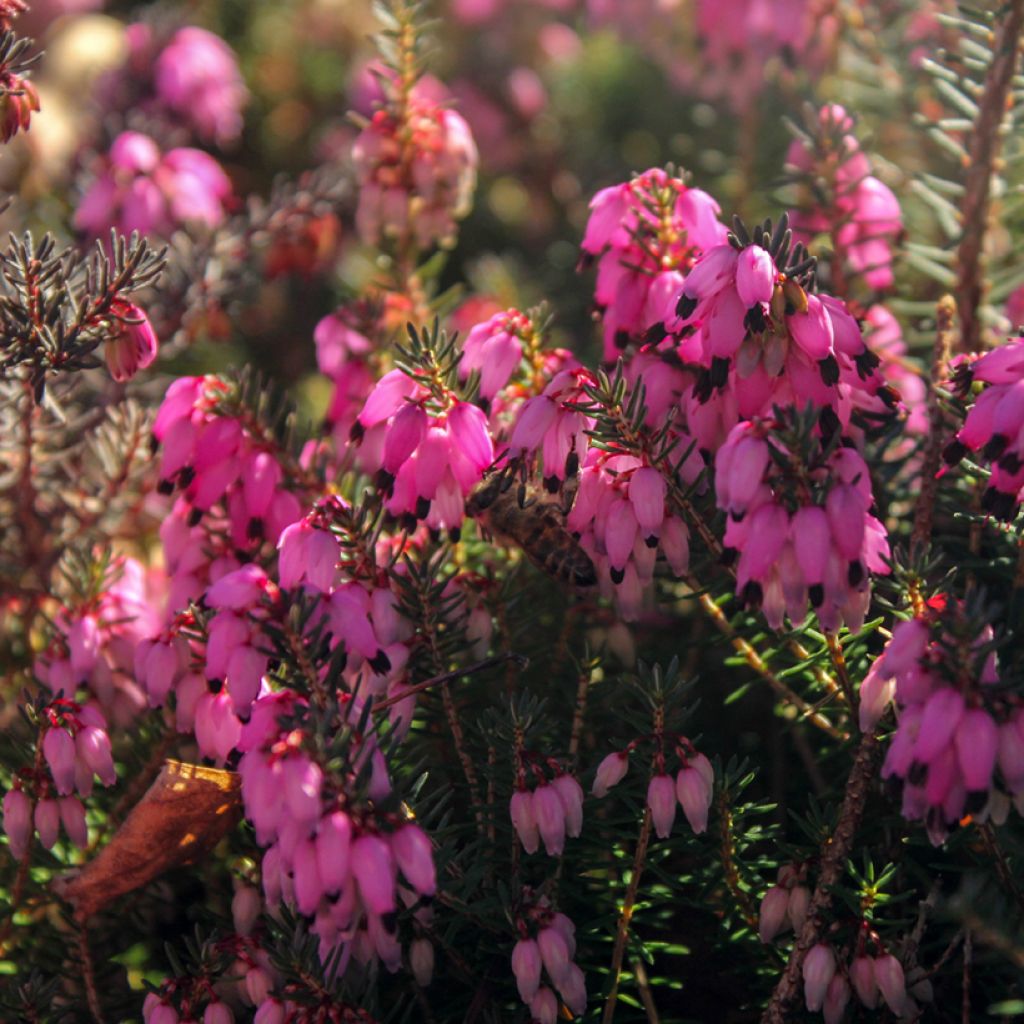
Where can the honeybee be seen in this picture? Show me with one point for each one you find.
(524, 518)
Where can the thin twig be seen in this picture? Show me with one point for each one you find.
(985, 143)
(924, 510)
(834, 853)
(965, 1006)
(580, 710)
(1003, 869)
(644, 988)
(622, 932)
(92, 994)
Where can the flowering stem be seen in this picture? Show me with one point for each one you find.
(924, 510)
(834, 852)
(983, 151)
(448, 677)
(729, 866)
(758, 664)
(622, 932)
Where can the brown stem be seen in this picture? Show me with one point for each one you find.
(983, 152)
(1003, 869)
(622, 932)
(730, 868)
(576, 734)
(92, 994)
(965, 1015)
(646, 996)
(924, 510)
(835, 650)
(834, 853)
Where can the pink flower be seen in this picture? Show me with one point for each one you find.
(17, 822)
(197, 76)
(524, 819)
(549, 813)
(610, 772)
(862, 975)
(772, 918)
(17, 104)
(59, 751)
(373, 868)
(661, 799)
(889, 978)
(526, 966)
(415, 858)
(495, 349)
(694, 792)
(134, 345)
(819, 967)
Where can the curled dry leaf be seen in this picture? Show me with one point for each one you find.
(183, 815)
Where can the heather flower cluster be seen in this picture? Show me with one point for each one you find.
(543, 967)
(958, 747)
(861, 214)
(800, 523)
(877, 981)
(645, 234)
(415, 162)
(137, 187)
(993, 428)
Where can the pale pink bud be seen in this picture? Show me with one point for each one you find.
(93, 746)
(836, 997)
(17, 822)
(246, 906)
(891, 982)
(258, 985)
(755, 275)
(773, 917)
(421, 960)
(308, 887)
(72, 817)
(526, 966)
(819, 968)
(270, 1012)
(939, 721)
(1011, 753)
(217, 1013)
(711, 272)
(568, 930)
(544, 1006)
(554, 952)
(876, 693)
(799, 902)
(862, 974)
(812, 331)
(694, 796)
(977, 744)
(573, 988)
(163, 1013)
(907, 646)
(415, 858)
(47, 822)
(333, 846)
(303, 780)
(374, 871)
(570, 792)
(610, 772)
(404, 434)
(523, 819)
(59, 751)
(661, 799)
(549, 813)
(647, 490)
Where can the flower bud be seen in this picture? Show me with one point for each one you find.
(610, 772)
(59, 751)
(799, 901)
(661, 799)
(258, 985)
(550, 815)
(47, 822)
(523, 819)
(694, 796)
(570, 792)
(544, 1006)
(374, 871)
(72, 817)
(773, 916)
(554, 952)
(17, 822)
(421, 960)
(217, 1013)
(836, 997)
(526, 966)
(862, 974)
(818, 970)
(891, 982)
(415, 858)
